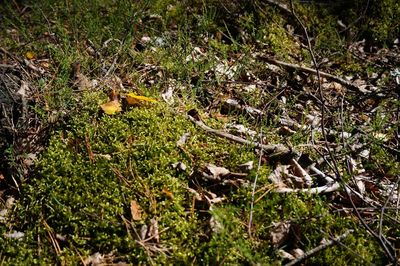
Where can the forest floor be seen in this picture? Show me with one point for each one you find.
(167, 133)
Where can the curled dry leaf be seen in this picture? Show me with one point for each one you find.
(276, 176)
(183, 139)
(215, 172)
(179, 166)
(280, 233)
(136, 211)
(215, 225)
(247, 166)
(168, 95)
(153, 230)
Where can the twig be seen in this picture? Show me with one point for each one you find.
(7, 66)
(319, 248)
(312, 71)
(278, 149)
(315, 190)
(254, 188)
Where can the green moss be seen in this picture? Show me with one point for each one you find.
(95, 165)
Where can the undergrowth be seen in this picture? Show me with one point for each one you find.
(78, 199)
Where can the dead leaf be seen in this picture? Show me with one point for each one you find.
(136, 211)
(179, 166)
(112, 107)
(30, 55)
(143, 232)
(277, 176)
(168, 95)
(215, 225)
(215, 172)
(182, 140)
(133, 99)
(153, 230)
(380, 136)
(280, 233)
(95, 259)
(247, 166)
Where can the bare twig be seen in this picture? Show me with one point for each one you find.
(254, 188)
(315, 190)
(312, 71)
(319, 248)
(270, 149)
(7, 66)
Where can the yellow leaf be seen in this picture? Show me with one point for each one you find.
(111, 107)
(29, 55)
(136, 211)
(133, 99)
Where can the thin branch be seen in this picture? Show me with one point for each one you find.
(275, 149)
(315, 190)
(312, 71)
(254, 189)
(319, 248)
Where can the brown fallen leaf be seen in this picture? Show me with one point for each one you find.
(280, 233)
(214, 172)
(136, 211)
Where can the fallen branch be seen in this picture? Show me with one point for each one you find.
(312, 71)
(319, 248)
(277, 149)
(315, 190)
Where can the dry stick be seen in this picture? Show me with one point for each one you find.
(315, 190)
(278, 148)
(382, 240)
(254, 188)
(312, 71)
(319, 248)
(253, 191)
